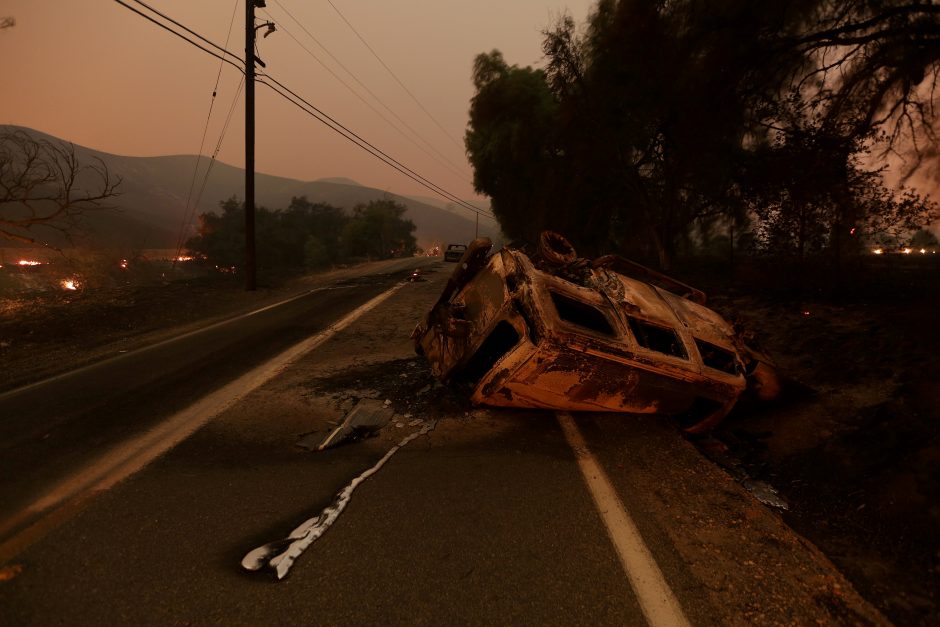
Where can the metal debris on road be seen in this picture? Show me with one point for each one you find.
(765, 493)
(365, 419)
(280, 555)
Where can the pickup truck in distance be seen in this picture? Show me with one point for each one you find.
(454, 252)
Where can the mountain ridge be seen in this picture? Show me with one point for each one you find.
(154, 190)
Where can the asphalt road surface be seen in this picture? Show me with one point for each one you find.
(49, 429)
(493, 517)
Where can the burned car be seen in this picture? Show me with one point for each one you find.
(554, 331)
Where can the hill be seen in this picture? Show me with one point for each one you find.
(154, 191)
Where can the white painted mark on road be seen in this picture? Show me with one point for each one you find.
(657, 601)
(281, 554)
(129, 457)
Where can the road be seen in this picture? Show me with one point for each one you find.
(50, 429)
(492, 517)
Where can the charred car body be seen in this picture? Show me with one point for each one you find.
(555, 331)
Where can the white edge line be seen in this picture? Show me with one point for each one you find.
(130, 457)
(656, 599)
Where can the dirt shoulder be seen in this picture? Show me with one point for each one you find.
(854, 445)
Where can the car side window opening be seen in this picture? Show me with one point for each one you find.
(717, 357)
(581, 314)
(656, 338)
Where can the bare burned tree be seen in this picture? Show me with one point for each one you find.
(45, 190)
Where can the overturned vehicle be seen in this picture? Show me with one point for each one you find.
(555, 331)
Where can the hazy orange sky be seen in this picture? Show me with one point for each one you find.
(98, 75)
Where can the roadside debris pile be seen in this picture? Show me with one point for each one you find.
(555, 331)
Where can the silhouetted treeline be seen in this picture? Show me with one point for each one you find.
(305, 235)
(661, 126)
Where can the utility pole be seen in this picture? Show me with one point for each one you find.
(476, 233)
(250, 276)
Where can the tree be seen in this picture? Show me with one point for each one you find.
(638, 129)
(510, 143)
(45, 190)
(873, 65)
(660, 115)
(305, 235)
(220, 238)
(898, 216)
(378, 230)
(321, 221)
(923, 239)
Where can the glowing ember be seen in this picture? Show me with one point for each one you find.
(852, 231)
(69, 284)
(123, 264)
(184, 258)
(805, 313)
(27, 262)
(877, 251)
(923, 251)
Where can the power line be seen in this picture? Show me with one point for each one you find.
(458, 170)
(189, 213)
(187, 29)
(218, 147)
(439, 157)
(346, 133)
(340, 129)
(398, 80)
(186, 39)
(322, 117)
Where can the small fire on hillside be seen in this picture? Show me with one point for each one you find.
(28, 262)
(69, 284)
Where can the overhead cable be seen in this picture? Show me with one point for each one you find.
(187, 29)
(459, 171)
(188, 213)
(186, 39)
(337, 127)
(398, 80)
(312, 110)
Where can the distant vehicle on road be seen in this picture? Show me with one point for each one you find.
(454, 252)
